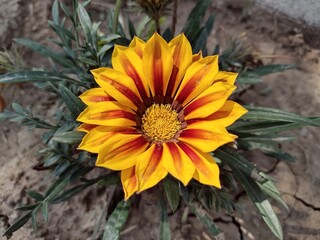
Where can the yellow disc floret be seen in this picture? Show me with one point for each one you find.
(160, 123)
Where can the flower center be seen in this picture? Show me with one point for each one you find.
(160, 122)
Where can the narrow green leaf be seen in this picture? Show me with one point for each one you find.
(262, 127)
(43, 50)
(69, 137)
(132, 30)
(55, 12)
(35, 195)
(171, 187)
(56, 188)
(28, 207)
(45, 211)
(273, 68)
(85, 22)
(73, 103)
(264, 113)
(70, 193)
(259, 199)
(192, 25)
(34, 76)
(116, 221)
(199, 43)
(61, 167)
(18, 224)
(248, 78)
(267, 138)
(66, 10)
(164, 228)
(34, 218)
(209, 24)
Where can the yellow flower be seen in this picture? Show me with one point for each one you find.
(159, 110)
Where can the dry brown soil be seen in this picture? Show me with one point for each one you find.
(275, 41)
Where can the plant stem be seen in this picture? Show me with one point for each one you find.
(174, 17)
(116, 16)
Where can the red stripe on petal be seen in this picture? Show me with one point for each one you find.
(197, 103)
(124, 90)
(176, 156)
(100, 98)
(128, 147)
(195, 133)
(112, 115)
(195, 158)
(154, 162)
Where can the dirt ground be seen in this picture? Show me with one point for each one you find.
(276, 41)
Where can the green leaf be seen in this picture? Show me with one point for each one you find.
(259, 199)
(109, 179)
(45, 211)
(70, 193)
(192, 25)
(69, 137)
(209, 24)
(43, 50)
(73, 103)
(273, 68)
(56, 188)
(132, 30)
(248, 78)
(270, 114)
(116, 221)
(164, 228)
(171, 187)
(28, 207)
(85, 22)
(200, 42)
(34, 76)
(18, 224)
(55, 12)
(35, 195)
(34, 218)
(267, 138)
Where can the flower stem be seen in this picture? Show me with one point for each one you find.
(116, 16)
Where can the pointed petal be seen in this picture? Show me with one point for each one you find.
(121, 150)
(208, 101)
(177, 163)
(119, 86)
(199, 76)
(207, 171)
(227, 114)
(206, 135)
(127, 61)
(197, 56)
(108, 114)
(129, 182)
(228, 77)
(138, 45)
(93, 141)
(149, 168)
(182, 58)
(95, 95)
(84, 127)
(157, 64)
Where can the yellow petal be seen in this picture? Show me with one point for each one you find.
(177, 163)
(120, 151)
(227, 114)
(197, 56)
(127, 61)
(84, 127)
(182, 58)
(108, 114)
(119, 86)
(199, 76)
(149, 168)
(228, 77)
(157, 64)
(208, 101)
(138, 45)
(95, 95)
(207, 171)
(93, 141)
(206, 136)
(129, 182)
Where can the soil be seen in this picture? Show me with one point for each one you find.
(274, 40)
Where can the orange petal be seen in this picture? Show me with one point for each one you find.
(227, 114)
(120, 151)
(129, 182)
(138, 45)
(127, 61)
(207, 171)
(119, 86)
(108, 114)
(84, 127)
(95, 95)
(199, 76)
(93, 141)
(197, 56)
(149, 168)
(209, 101)
(182, 58)
(177, 163)
(157, 64)
(205, 138)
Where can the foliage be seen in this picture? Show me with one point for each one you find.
(83, 46)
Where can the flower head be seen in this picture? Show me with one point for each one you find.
(159, 110)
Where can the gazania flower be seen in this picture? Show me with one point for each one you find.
(159, 110)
